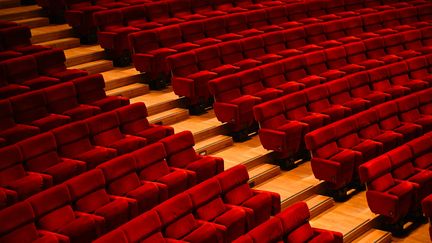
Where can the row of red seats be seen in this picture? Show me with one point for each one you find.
(80, 16)
(340, 148)
(285, 121)
(193, 69)
(291, 225)
(218, 210)
(114, 29)
(427, 209)
(65, 151)
(151, 47)
(25, 115)
(38, 70)
(398, 180)
(95, 202)
(15, 41)
(238, 93)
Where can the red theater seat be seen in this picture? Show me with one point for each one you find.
(181, 154)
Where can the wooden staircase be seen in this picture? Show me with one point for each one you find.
(353, 217)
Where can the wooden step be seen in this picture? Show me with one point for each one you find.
(65, 43)
(83, 54)
(203, 126)
(418, 235)
(352, 218)
(21, 12)
(318, 204)
(51, 32)
(95, 66)
(169, 117)
(160, 100)
(34, 22)
(213, 144)
(374, 235)
(130, 91)
(118, 77)
(262, 172)
(293, 186)
(9, 3)
(249, 153)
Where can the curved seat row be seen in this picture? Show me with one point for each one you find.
(400, 179)
(218, 210)
(291, 225)
(238, 93)
(25, 115)
(35, 71)
(151, 47)
(285, 121)
(340, 148)
(60, 154)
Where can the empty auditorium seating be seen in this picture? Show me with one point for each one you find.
(73, 141)
(105, 131)
(52, 63)
(18, 38)
(39, 154)
(427, 207)
(10, 130)
(90, 90)
(292, 225)
(24, 71)
(31, 108)
(63, 99)
(339, 148)
(16, 178)
(54, 214)
(18, 224)
(207, 211)
(133, 119)
(89, 195)
(181, 154)
(394, 180)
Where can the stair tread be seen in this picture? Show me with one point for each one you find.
(243, 153)
(354, 213)
(51, 32)
(212, 141)
(131, 88)
(34, 22)
(261, 168)
(156, 97)
(118, 73)
(299, 179)
(100, 65)
(20, 12)
(374, 235)
(69, 42)
(169, 116)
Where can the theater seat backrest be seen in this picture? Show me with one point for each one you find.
(6, 114)
(322, 142)
(17, 225)
(295, 221)
(61, 98)
(269, 231)
(133, 118)
(144, 41)
(295, 105)
(11, 167)
(52, 208)
(50, 61)
(401, 160)
(73, 138)
(151, 162)
(16, 36)
(226, 88)
(234, 185)
(105, 128)
(88, 191)
(40, 152)
(183, 64)
(206, 199)
(29, 106)
(90, 88)
(20, 69)
(377, 173)
(144, 228)
(270, 114)
(179, 148)
(120, 174)
(175, 215)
